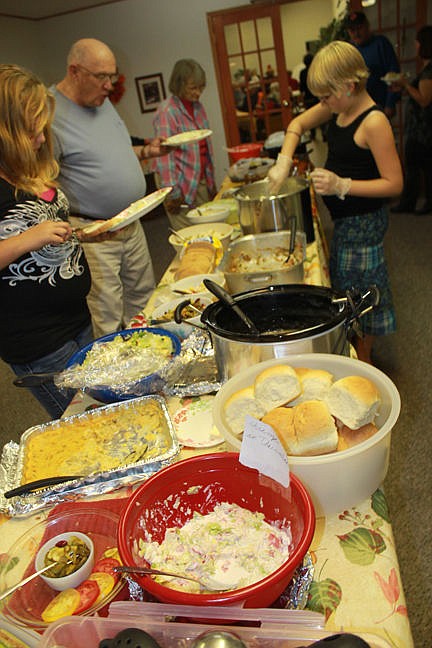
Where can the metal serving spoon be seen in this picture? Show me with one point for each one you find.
(209, 584)
(24, 581)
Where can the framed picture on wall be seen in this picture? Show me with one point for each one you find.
(151, 91)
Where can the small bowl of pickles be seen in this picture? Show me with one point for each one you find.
(71, 555)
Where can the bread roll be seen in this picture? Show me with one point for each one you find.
(198, 258)
(314, 428)
(281, 420)
(238, 405)
(349, 438)
(354, 400)
(315, 384)
(304, 430)
(276, 386)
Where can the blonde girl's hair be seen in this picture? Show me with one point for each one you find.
(335, 65)
(26, 109)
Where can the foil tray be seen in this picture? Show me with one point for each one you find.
(133, 468)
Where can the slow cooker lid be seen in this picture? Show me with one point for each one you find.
(280, 313)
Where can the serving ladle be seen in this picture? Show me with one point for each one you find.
(229, 301)
(211, 584)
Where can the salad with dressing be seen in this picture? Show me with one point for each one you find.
(231, 545)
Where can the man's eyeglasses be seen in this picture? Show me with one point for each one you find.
(102, 77)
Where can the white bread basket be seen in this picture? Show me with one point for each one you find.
(339, 480)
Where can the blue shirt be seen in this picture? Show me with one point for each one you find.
(380, 58)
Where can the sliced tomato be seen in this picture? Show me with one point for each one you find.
(105, 581)
(64, 604)
(89, 592)
(106, 565)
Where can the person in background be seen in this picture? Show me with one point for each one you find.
(361, 171)
(380, 58)
(292, 83)
(44, 276)
(189, 169)
(418, 130)
(308, 98)
(101, 175)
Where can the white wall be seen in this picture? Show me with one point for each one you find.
(147, 36)
(301, 22)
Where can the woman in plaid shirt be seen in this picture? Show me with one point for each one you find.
(189, 167)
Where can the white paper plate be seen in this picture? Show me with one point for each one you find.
(187, 136)
(132, 213)
(194, 426)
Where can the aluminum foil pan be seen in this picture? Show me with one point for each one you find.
(133, 449)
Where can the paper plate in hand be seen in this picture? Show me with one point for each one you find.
(187, 136)
(135, 210)
(138, 208)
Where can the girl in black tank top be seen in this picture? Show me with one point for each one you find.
(361, 171)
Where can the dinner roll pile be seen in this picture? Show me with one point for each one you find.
(311, 413)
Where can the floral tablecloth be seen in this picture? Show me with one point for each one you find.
(356, 582)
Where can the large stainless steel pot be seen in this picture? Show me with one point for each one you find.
(290, 319)
(261, 212)
(263, 245)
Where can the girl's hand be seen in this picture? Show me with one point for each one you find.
(328, 183)
(278, 173)
(48, 233)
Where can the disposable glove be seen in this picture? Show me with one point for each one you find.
(328, 183)
(278, 173)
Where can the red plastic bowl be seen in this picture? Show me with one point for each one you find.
(242, 151)
(167, 500)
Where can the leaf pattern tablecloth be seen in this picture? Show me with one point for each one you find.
(357, 583)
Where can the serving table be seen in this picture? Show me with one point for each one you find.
(356, 583)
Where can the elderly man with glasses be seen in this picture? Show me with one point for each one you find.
(101, 174)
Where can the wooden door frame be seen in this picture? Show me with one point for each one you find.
(216, 21)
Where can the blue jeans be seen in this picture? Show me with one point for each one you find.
(54, 400)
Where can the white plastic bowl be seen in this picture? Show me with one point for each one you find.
(209, 213)
(78, 576)
(184, 329)
(221, 231)
(339, 480)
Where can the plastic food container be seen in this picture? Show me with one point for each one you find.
(267, 627)
(253, 149)
(338, 480)
(148, 384)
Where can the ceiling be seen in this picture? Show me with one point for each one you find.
(40, 9)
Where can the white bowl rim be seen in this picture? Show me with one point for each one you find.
(319, 361)
(51, 543)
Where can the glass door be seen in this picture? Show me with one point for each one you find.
(253, 83)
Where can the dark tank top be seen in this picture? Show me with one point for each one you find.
(347, 159)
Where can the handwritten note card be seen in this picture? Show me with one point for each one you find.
(261, 449)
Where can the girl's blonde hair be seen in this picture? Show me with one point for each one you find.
(26, 109)
(335, 65)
